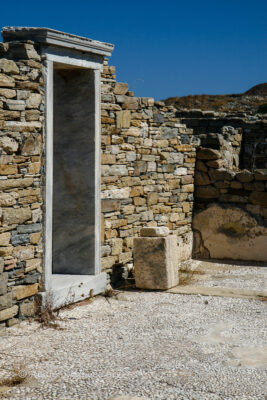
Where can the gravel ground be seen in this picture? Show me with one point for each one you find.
(150, 344)
(242, 276)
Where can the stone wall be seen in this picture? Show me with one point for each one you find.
(148, 159)
(148, 171)
(241, 137)
(21, 125)
(230, 219)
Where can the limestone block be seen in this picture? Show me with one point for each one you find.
(8, 169)
(157, 231)
(28, 309)
(259, 198)
(261, 174)
(121, 88)
(8, 66)
(34, 100)
(123, 119)
(155, 262)
(4, 239)
(244, 176)
(207, 192)
(15, 183)
(10, 145)
(15, 105)
(23, 291)
(208, 154)
(8, 313)
(6, 301)
(6, 81)
(16, 215)
(8, 93)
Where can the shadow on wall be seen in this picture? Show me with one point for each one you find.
(230, 209)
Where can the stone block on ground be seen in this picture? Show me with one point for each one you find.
(155, 262)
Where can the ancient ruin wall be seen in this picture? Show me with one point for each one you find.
(148, 159)
(21, 125)
(230, 209)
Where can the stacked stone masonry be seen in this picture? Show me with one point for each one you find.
(148, 158)
(21, 127)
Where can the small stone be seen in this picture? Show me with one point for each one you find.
(9, 144)
(261, 174)
(207, 192)
(28, 309)
(8, 93)
(6, 301)
(208, 154)
(16, 215)
(5, 238)
(259, 198)
(23, 291)
(8, 313)
(34, 100)
(244, 176)
(6, 81)
(123, 119)
(15, 105)
(158, 231)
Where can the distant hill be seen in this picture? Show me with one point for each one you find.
(250, 101)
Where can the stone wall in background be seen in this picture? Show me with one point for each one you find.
(230, 218)
(241, 138)
(148, 159)
(21, 125)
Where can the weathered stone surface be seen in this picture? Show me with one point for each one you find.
(6, 81)
(23, 252)
(32, 146)
(6, 301)
(175, 158)
(8, 313)
(244, 176)
(28, 309)
(157, 231)
(202, 178)
(208, 154)
(15, 105)
(15, 183)
(121, 88)
(110, 205)
(261, 174)
(5, 238)
(8, 169)
(16, 215)
(231, 233)
(207, 192)
(215, 163)
(23, 291)
(221, 174)
(123, 193)
(130, 103)
(34, 100)
(259, 198)
(123, 119)
(155, 262)
(9, 144)
(8, 93)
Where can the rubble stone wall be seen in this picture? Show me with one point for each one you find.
(21, 127)
(148, 159)
(230, 218)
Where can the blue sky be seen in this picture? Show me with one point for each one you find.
(164, 48)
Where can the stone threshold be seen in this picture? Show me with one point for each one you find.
(68, 289)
